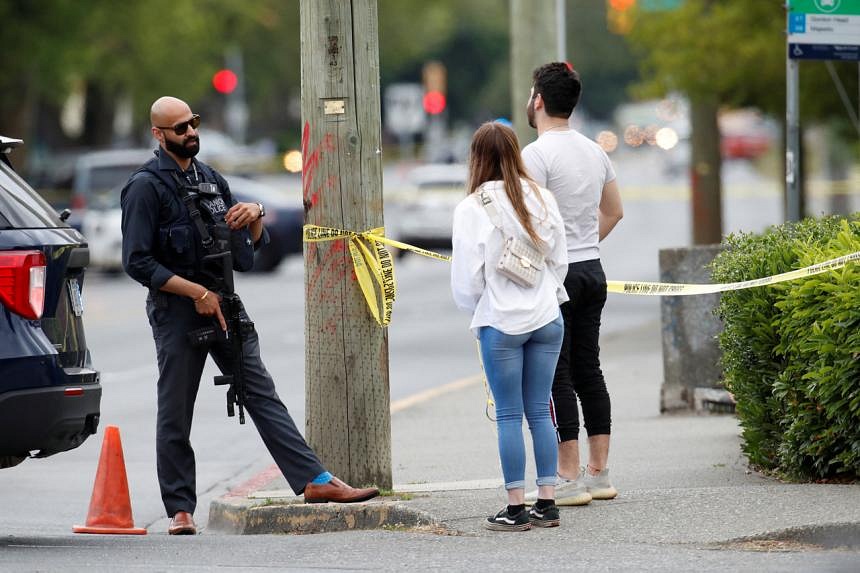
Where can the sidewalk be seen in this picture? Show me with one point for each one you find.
(683, 482)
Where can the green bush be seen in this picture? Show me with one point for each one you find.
(791, 351)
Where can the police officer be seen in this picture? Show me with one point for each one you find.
(163, 249)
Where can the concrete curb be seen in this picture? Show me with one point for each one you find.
(242, 516)
(844, 536)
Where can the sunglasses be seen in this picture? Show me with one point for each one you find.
(181, 128)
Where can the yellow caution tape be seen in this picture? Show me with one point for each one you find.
(680, 289)
(371, 261)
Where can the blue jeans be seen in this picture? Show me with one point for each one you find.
(519, 369)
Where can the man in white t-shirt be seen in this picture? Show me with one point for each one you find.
(579, 174)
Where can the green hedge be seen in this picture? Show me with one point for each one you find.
(791, 351)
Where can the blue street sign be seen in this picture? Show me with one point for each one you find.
(824, 29)
(797, 23)
(823, 52)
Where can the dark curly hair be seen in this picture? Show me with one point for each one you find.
(559, 86)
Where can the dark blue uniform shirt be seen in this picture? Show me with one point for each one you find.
(159, 238)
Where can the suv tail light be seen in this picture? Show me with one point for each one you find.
(22, 282)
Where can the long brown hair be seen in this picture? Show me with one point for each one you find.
(495, 156)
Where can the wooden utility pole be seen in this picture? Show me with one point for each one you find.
(534, 32)
(347, 410)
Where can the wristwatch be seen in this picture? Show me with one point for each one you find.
(262, 210)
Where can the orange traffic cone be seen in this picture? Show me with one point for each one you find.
(110, 506)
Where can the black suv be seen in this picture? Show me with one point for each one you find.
(49, 393)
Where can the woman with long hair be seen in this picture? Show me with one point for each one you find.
(519, 327)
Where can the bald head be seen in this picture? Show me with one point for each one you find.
(168, 110)
(175, 129)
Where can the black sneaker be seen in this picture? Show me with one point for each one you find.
(503, 521)
(546, 517)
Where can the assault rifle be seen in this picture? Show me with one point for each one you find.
(231, 306)
(217, 265)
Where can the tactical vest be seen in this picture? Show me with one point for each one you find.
(181, 245)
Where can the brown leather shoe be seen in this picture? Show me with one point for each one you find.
(182, 524)
(338, 492)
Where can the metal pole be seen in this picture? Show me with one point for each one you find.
(792, 141)
(843, 95)
(561, 30)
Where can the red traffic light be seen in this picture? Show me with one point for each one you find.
(434, 103)
(225, 81)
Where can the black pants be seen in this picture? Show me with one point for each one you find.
(180, 367)
(578, 373)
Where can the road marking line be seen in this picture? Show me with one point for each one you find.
(256, 483)
(409, 401)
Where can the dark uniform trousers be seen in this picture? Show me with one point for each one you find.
(180, 367)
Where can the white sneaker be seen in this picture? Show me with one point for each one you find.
(568, 492)
(571, 492)
(598, 486)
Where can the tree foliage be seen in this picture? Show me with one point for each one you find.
(604, 60)
(141, 49)
(136, 48)
(734, 50)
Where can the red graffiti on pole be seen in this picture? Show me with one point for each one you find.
(310, 164)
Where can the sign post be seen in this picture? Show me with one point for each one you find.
(817, 30)
(404, 114)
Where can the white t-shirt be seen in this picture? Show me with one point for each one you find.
(574, 169)
(495, 300)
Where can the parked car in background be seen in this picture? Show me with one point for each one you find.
(49, 393)
(421, 210)
(97, 178)
(285, 216)
(746, 134)
(100, 176)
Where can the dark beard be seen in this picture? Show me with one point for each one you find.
(530, 113)
(186, 150)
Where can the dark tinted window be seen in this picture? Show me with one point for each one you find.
(20, 206)
(105, 185)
